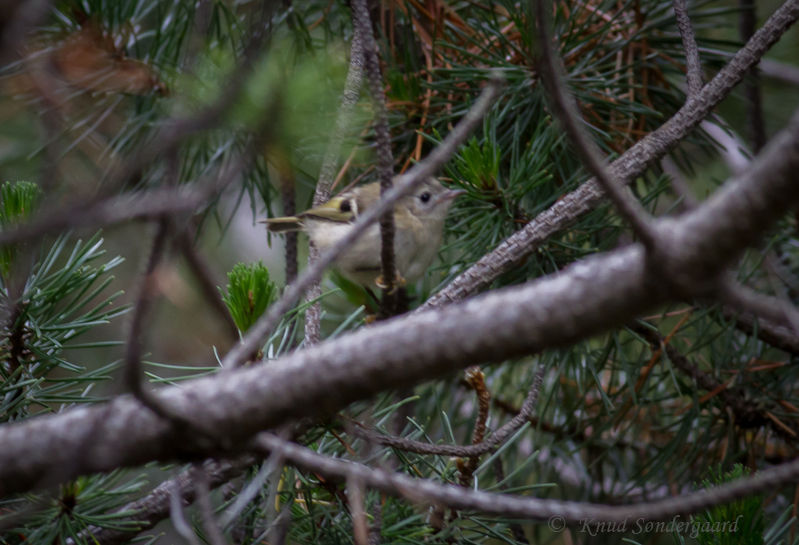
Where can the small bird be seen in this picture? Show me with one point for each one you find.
(418, 223)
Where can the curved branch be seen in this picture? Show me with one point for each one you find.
(571, 513)
(489, 445)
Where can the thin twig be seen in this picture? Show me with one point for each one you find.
(211, 526)
(202, 272)
(327, 172)
(733, 150)
(693, 66)
(680, 185)
(133, 371)
(385, 160)
(489, 445)
(784, 72)
(349, 99)
(110, 211)
(747, 414)
(271, 466)
(178, 516)
(134, 375)
(566, 111)
(404, 184)
(767, 331)
(277, 531)
(748, 301)
(360, 528)
(754, 101)
(466, 466)
(289, 209)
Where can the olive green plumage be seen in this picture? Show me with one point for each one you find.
(418, 220)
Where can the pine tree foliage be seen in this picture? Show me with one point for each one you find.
(62, 298)
(249, 292)
(235, 103)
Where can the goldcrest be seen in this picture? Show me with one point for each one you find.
(418, 223)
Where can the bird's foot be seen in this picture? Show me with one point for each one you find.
(399, 282)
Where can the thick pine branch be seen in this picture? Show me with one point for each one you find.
(584, 299)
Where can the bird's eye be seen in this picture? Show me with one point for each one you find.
(345, 206)
(424, 197)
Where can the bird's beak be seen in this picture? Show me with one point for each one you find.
(449, 195)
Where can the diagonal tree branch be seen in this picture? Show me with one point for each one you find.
(110, 211)
(133, 372)
(624, 169)
(750, 310)
(150, 205)
(693, 67)
(324, 185)
(403, 185)
(566, 111)
(584, 299)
